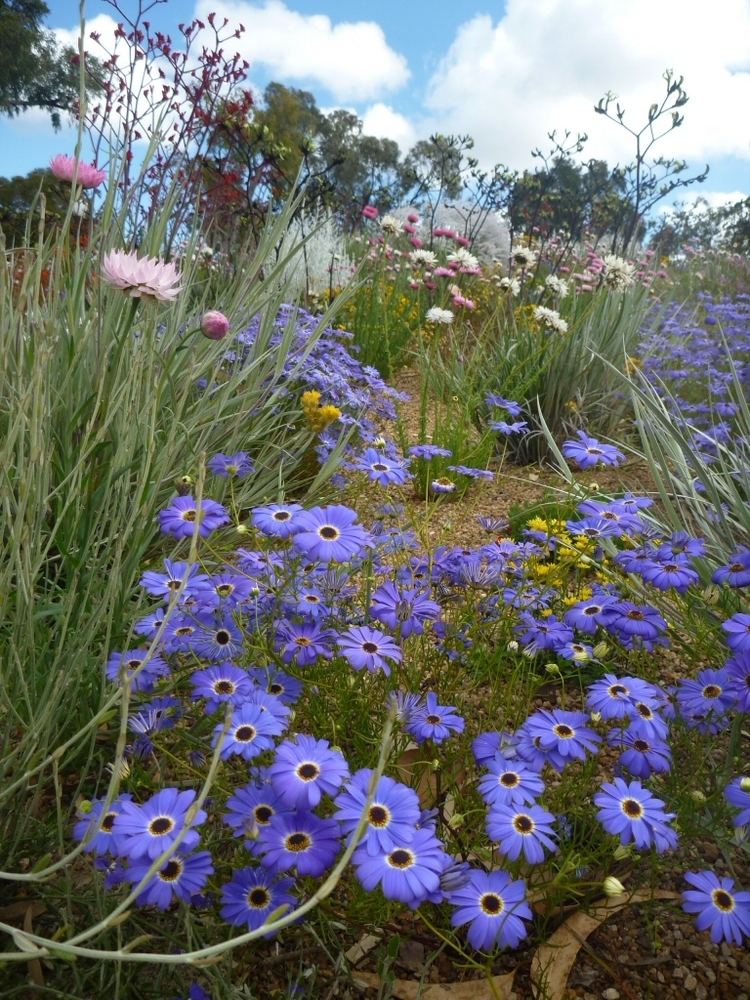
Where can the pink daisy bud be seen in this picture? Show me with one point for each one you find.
(370, 212)
(412, 217)
(68, 168)
(214, 325)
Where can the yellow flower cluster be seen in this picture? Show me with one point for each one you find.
(318, 417)
(571, 553)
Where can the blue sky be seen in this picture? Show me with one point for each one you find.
(505, 72)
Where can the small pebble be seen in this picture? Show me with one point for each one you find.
(611, 994)
(690, 982)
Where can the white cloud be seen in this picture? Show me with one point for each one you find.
(705, 199)
(382, 121)
(544, 65)
(352, 59)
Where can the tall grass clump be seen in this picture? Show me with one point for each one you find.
(110, 404)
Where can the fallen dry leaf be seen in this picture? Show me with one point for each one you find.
(34, 965)
(552, 961)
(496, 988)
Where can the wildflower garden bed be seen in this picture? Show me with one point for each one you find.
(315, 687)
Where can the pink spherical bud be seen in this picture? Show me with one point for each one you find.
(408, 228)
(370, 212)
(412, 217)
(462, 241)
(416, 242)
(214, 325)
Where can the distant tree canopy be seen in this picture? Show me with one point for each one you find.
(36, 72)
(724, 227)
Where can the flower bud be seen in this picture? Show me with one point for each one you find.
(214, 325)
(622, 851)
(242, 529)
(600, 650)
(745, 784)
(612, 886)
(697, 796)
(552, 668)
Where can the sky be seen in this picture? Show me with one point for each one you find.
(506, 72)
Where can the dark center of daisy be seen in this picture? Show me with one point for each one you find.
(297, 842)
(523, 824)
(491, 903)
(174, 584)
(224, 687)
(302, 640)
(640, 745)
(711, 691)
(134, 664)
(171, 871)
(258, 898)
(308, 771)
(312, 598)
(222, 637)
(369, 647)
(632, 808)
(160, 825)
(108, 821)
(609, 515)
(245, 734)
(400, 858)
(380, 467)
(722, 900)
(595, 451)
(510, 779)
(276, 688)
(671, 567)
(262, 814)
(635, 615)
(563, 731)
(329, 533)
(617, 689)
(189, 515)
(378, 815)
(184, 630)
(736, 567)
(433, 719)
(592, 609)
(224, 589)
(281, 515)
(644, 711)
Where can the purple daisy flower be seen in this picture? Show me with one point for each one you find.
(510, 405)
(382, 470)
(587, 452)
(522, 829)
(303, 643)
(737, 794)
(391, 818)
(369, 649)
(737, 572)
(634, 621)
(182, 877)
(471, 473)
(182, 514)
(252, 895)
(676, 574)
(402, 608)
(643, 754)
(431, 721)
(720, 908)
(220, 684)
(429, 451)
(231, 466)
(737, 630)
(181, 578)
(632, 813)
(299, 840)
(216, 637)
(278, 520)
(251, 808)
(562, 736)
(615, 697)
(137, 668)
(98, 824)
(704, 702)
(738, 669)
(508, 428)
(283, 686)
(495, 908)
(146, 831)
(305, 769)
(509, 785)
(330, 534)
(409, 872)
(251, 731)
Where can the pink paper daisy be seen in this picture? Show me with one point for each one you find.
(141, 277)
(68, 168)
